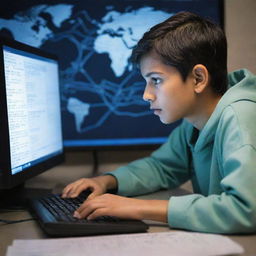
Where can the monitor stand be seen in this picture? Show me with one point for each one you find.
(16, 198)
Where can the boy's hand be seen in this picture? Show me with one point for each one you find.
(123, 207)
(98, 186)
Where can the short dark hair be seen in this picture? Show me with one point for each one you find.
(184, 40)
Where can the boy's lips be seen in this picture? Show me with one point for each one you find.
(156, 110)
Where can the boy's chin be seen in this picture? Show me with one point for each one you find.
(167, 120)
(164, 121)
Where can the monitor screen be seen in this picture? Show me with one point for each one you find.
(31, 132)
(101, 95)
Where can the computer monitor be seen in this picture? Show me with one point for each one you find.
(30, 116)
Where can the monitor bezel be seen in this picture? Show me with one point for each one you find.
(7, 179)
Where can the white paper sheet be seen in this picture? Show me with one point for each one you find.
(150, 244)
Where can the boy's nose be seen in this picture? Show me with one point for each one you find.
(148, 95)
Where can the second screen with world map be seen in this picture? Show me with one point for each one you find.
(101, 93)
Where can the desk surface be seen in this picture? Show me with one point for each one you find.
(57, 178)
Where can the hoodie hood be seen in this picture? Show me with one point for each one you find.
(242, 87)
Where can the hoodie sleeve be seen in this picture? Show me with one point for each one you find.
(167, 167)
(233, 210)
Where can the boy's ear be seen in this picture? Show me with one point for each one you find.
(201, 77)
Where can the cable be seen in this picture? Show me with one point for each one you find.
(15, 221)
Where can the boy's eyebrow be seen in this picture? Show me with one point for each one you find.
(153, 73)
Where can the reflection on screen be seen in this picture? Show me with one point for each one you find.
(32, 92)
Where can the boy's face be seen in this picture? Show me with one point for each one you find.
(170, 98)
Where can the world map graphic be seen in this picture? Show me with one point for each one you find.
(98, 83)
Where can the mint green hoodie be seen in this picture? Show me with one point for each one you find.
(220, 161)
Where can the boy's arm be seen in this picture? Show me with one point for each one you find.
(233, 211)
(167, 167)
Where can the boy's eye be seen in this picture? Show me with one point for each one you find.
(156, 80)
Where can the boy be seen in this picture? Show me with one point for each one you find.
(184, 63)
